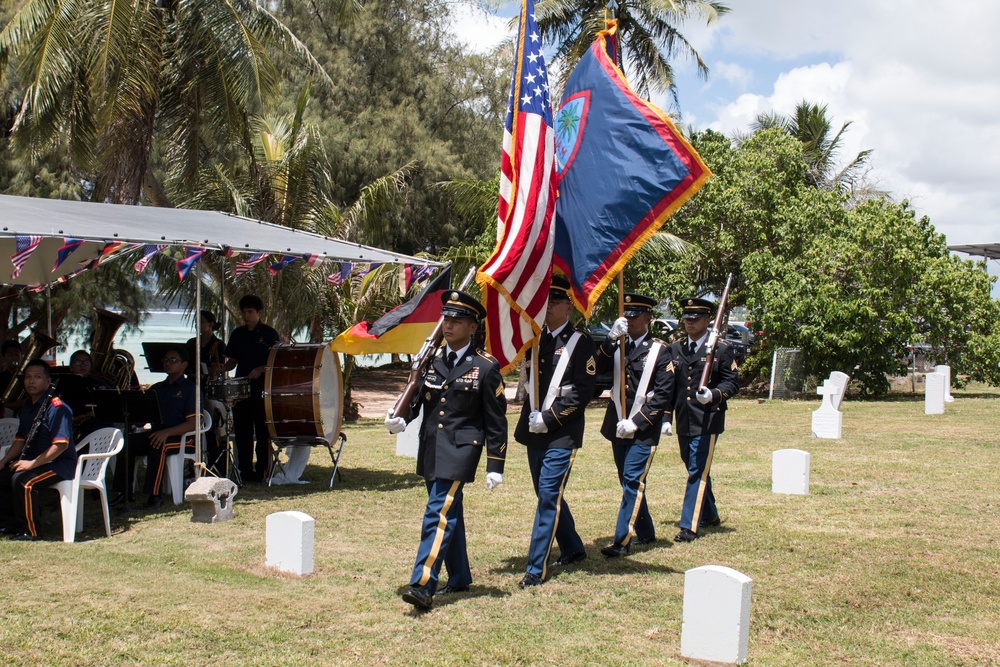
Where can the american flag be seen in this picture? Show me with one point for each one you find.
(417, 274)
(245, 265)
(147, 254)
(339, 278)
(515, 280)
(23, 247)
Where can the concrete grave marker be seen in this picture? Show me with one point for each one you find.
(408, 442)
(946, 372)
(716, 620)
(827, 421)
(838, 380)
(934, 392)
(790, 471)
(290, 542)
(211, 499)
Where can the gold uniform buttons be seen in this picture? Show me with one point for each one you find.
(442, 425)
(441, 414)
(442, 399)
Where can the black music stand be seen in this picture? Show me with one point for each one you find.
(154, 354)
(126, 407)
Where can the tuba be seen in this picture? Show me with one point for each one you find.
(38, 345)
(113, 364)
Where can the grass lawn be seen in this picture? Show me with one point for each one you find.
(892, 559)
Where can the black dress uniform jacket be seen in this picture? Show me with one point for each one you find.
(691, 418)
(565, 419)
(464, 410)
(659, 393)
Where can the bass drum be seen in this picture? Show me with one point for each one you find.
(303, 392)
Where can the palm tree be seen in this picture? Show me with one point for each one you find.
(810, 125)
(131, 82)
(648, 37)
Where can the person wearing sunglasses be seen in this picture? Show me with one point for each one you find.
(176, 397)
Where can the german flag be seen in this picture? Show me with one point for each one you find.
(403, 329)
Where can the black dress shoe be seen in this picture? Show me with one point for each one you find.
(704, 523)
(25, 537)
(616, 550)
(154, 502)
(419, 597)
(120, 500)
(449, 589)
(530, 580)
(686, 535)
(645, 540)
(569, 559)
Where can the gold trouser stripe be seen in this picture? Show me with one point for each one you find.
(162, 464)
(29, 513)
(555, 524)
(702, 485)
(640, 492)
(439, 534)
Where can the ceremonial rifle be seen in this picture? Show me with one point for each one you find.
(713, 336)
(423, 359)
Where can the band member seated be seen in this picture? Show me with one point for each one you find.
(42, 454)
(77, 394)
(176, 398)
(10, 363)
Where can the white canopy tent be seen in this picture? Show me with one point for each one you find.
(101, 224)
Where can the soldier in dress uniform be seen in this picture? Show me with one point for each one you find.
(634, 429)
(553, 430)
(464, 409)
(700, 413)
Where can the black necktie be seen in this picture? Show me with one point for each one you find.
(450, 360)
(545, 339)
(693, 346)
(629, 346)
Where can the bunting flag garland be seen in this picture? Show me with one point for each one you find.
(23, 247)
(191, 257)
(226, 251)
(340, 278)
(368, 268)
(310, 259)
(69, 245)
(624, 168)
(109, 249)
(147, 254)
(515, 280)
(281, 263)
(245, 265)
(403, 329)
(416, 275)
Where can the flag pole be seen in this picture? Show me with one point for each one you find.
(621, 346)
(535, 403)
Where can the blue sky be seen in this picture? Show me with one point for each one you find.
(919, 81)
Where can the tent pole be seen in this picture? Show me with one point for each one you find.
(197, 367)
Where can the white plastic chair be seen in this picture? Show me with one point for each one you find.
(91, 467)
(175, 463)
(8, 429)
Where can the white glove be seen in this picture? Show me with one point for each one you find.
(626, 429)
(535, 422)
(666, 429)
(618, 329)
(493, 480)
(704, 395)
(394, 424)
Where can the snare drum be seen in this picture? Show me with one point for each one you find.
(228, 390)
(303, 392)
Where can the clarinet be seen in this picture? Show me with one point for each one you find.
(39, 418)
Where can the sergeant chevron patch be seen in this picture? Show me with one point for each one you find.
(591, 366)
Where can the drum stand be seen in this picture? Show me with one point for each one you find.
(278, 444)
(232, 468)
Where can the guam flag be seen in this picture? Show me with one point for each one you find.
(624, 168)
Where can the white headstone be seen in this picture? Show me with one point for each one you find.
(946, 372)
(408, 442)
(934, 394)
(290, 542)
(827, 421)
(790, 471)
(839, 381)
(716, 623)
